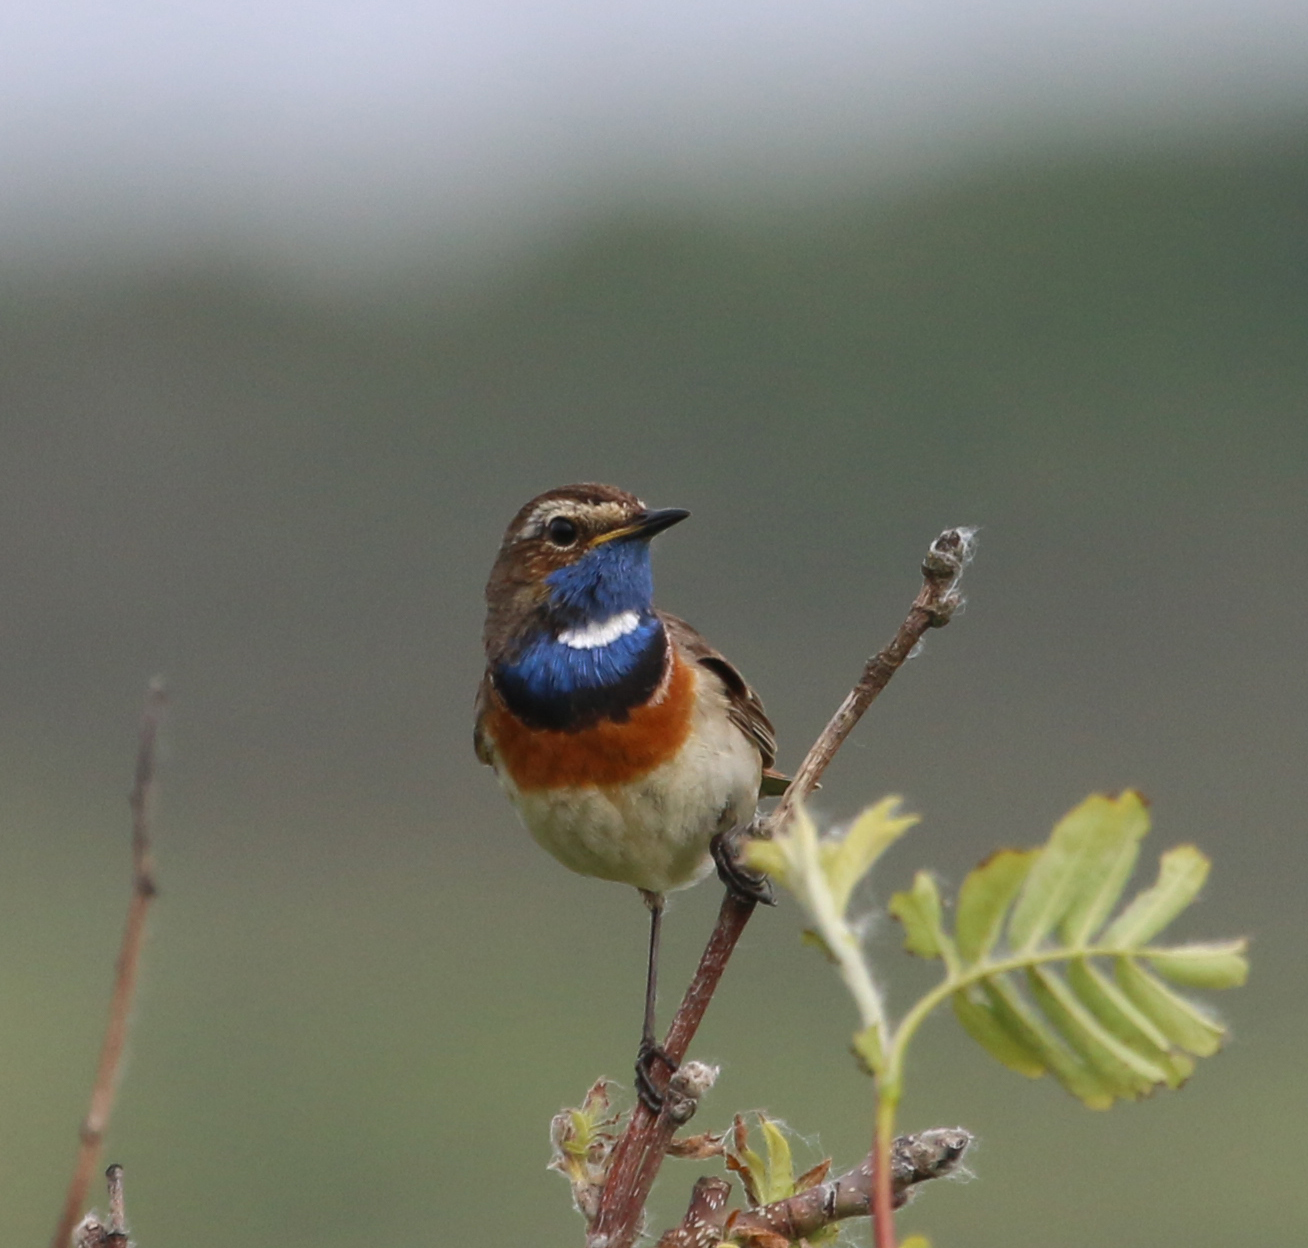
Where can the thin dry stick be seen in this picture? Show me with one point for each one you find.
(639, 1153)
(129, 959)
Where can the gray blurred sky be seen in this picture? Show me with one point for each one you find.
(154, 125)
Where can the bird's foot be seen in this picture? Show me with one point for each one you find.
(649, 1053)
(742, 882)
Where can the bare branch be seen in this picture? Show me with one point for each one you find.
(914, 1159)
(933, 607)
(96, 1121)
(638, 1154)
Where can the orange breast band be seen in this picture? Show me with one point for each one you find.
(608, 754)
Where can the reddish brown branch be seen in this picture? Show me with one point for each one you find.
(639, 1153)
(704, 1220)
(129, 958)
(883, 1183)
(933, 607)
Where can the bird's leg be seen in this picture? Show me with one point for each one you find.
(650, 1050)
(741, 881)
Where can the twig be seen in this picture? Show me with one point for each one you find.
(933, 607)
(129, 958)
(638, 1154)
(117, 1205)
(915, 1159)
(704, 1220)
(90, 1232)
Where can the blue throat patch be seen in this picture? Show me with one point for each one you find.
(607, 580)
(550, 684)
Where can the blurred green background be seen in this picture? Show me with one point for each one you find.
(366, 990)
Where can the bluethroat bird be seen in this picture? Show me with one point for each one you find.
(630, 747)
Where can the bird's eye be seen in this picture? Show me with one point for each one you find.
(561, 531)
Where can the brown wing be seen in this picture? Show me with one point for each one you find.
(746, 710)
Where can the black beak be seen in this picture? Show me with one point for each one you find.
(650, 522)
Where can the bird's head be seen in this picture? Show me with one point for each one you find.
(573, 556)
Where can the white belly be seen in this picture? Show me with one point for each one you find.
(653, 833)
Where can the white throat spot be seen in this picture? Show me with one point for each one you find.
(601, 632)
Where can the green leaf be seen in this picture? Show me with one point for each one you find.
(1089, 835)
(985, 897)
(848, 858)
(919, 912)
(1016, 1015)
(1220, 964)
(766, 1178)
(867, 1048)
(1039, 1001)
(1183, 1022)
(1130, 1072)
(779, 1179)
(1107, 859)
(1006, 1047)
(1182, 872)
(767, 856)
(823, 872)
(1126, 1021)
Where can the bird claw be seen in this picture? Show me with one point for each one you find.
(742, 882)
(649, 1053)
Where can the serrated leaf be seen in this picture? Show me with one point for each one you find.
(1183, 1022)
(1101, 1037)
(1016, 1015)
(1126, 1021)
(1007, 1048)
(1130, 1073)
(1181, 874)
(848, 858)
(1107, 859)
(823, 872)
(984, 898)
(1059, 878)
(1221, 964)
(919, 911)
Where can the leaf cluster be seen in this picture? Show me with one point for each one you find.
(1044, 979)
(1042, 968)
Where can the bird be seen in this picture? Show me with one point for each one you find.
(630, 747)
